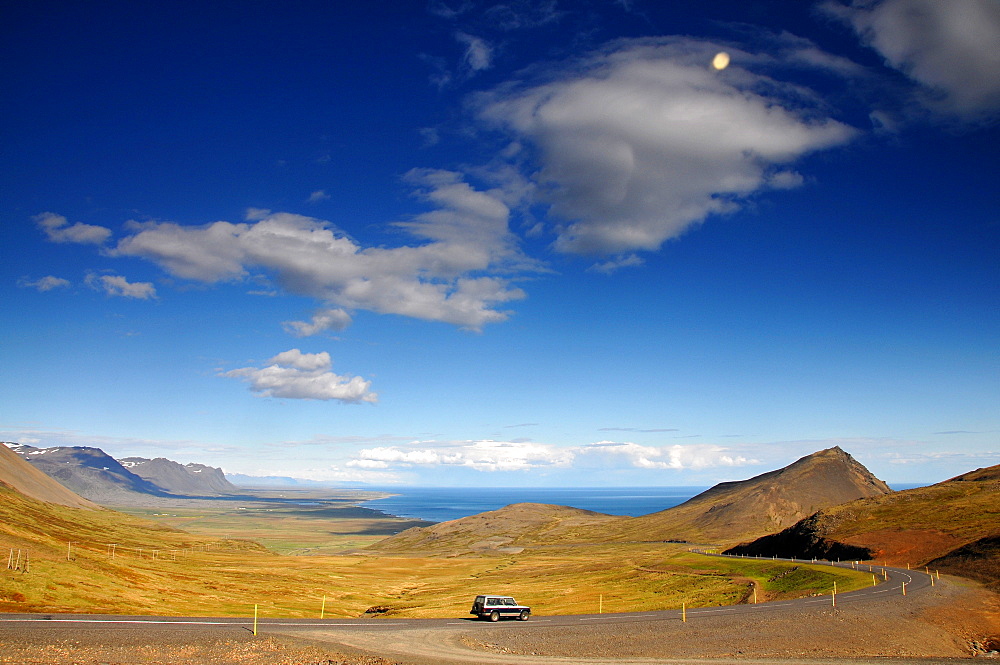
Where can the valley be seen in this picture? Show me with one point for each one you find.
(310, 554)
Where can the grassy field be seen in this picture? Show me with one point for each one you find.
(106, 561)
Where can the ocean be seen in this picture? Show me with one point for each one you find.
(440, 504)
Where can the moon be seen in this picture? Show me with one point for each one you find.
(721, 60)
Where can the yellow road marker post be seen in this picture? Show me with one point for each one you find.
(874, 580)
(322, 608)
(904, 588)
(255, 618)
(684, 614)
(833, 596)
(600, 605)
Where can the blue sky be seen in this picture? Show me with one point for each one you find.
(521, 243)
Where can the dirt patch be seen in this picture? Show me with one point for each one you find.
(913, 546)
(171, 647)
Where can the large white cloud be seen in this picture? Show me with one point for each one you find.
(452, 275)
(296, 375)
(524, 456)
(641, 141)
(952, 48)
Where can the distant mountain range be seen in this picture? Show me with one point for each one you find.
(180, 479)
(95, 475)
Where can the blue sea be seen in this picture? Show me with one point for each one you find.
(440, 504)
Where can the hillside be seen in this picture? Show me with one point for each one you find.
(728, 512)
(90, 472)
(507, 530)
(189, 479)
(761, 505)
(955, 524)
(19, 475)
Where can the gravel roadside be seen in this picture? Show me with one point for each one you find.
(939, 625)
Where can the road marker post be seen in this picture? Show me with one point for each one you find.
(684, 614)
(322, 608)
(255, 618)
(874, 581)
(600, 604)
(833, 596)
(904, 588)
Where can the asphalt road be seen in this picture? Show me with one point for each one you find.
(443, 635)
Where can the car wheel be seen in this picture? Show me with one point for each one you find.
(524, 615)
(494, 616)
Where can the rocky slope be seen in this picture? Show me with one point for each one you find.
(90, 472)
(189, 479)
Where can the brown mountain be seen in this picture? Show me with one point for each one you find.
(21, 476)
(507, 530)
(760, 505)
(727, 513)
(953, 525)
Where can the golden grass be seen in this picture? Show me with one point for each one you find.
(161, 571)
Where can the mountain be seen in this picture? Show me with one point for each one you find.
(763, 504)
(507, 530)
(23, 477)
(274, 482)
(90, 472)
(190, 479)
(953, 525)
(726, 513)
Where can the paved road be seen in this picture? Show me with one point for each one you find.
(914, 581)
(440, 640)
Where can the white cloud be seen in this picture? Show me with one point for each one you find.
(478, 53)
(638, 143)
(58, 229)
(478, 455)
(47, 283)
(116, 285)
(324, 319)
(609, 267)
(317, 196)
(664, 457)
(952, 48)
(296, 375)
(493, 456)
(447, 278)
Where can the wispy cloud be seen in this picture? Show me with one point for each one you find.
(58, 229)
(322, 320)
(317, 196)
(296, 375)
(47, 283)
(478, 53)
